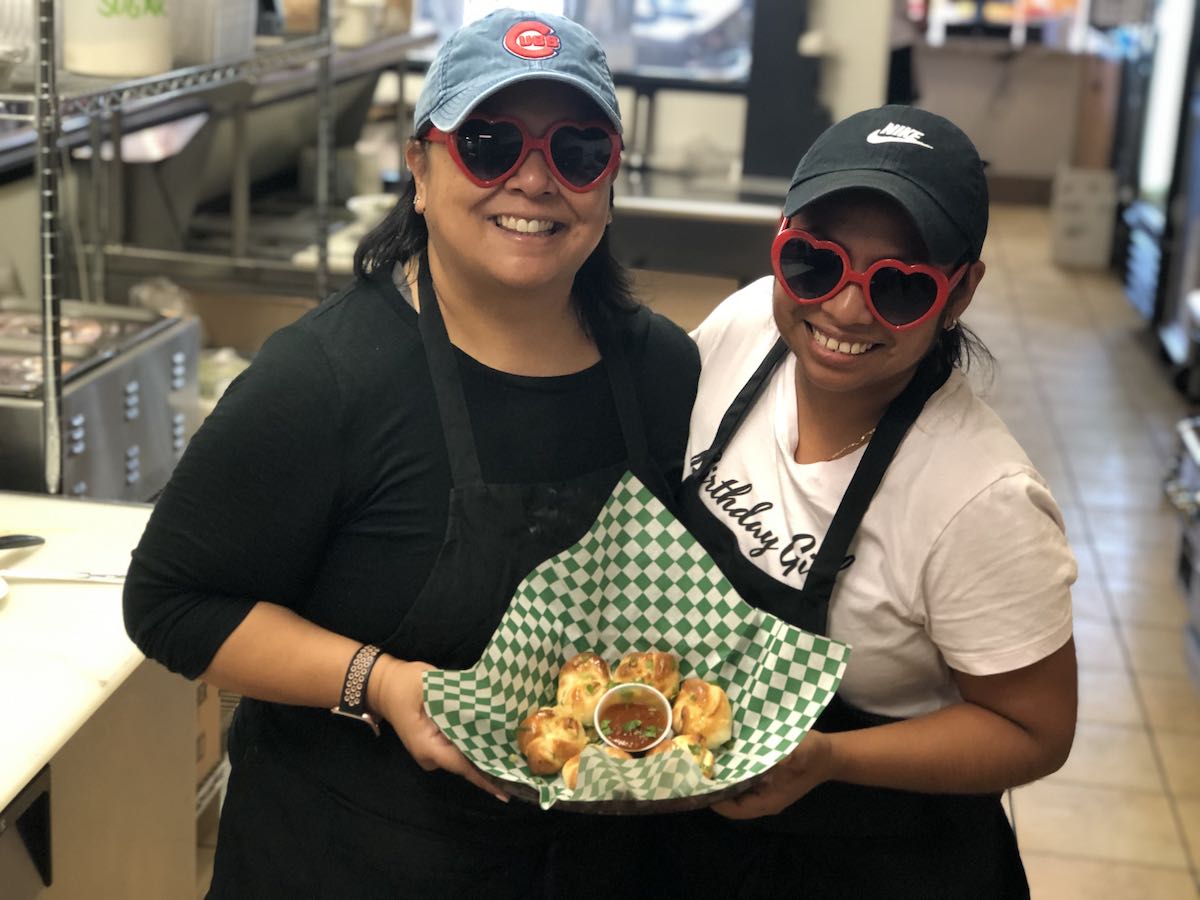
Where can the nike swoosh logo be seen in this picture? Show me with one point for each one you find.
(876, 138)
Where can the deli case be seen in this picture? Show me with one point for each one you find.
(129, 398)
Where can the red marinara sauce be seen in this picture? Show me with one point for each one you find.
(633, 726)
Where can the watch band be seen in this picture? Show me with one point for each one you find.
(353, 704)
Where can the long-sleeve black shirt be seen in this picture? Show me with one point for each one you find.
(320, 482)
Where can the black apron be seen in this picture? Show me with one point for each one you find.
(318, 807)
(843, 840)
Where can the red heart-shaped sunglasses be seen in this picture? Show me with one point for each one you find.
(899, 295)
(489, 150)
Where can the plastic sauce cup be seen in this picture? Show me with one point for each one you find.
(633, 717)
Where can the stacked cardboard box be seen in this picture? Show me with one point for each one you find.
(208, 730)
(1083, 212)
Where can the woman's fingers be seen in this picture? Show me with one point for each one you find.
(429, 748)
(755, 804)
(809, 765)
(464, 767)
(441, 754)
(760, 800)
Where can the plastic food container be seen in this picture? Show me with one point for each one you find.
(120, 40)
(371, 209)
(633, 717)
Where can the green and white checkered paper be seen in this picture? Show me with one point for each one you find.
(637, 581)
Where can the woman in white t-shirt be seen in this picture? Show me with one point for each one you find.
(847, 479)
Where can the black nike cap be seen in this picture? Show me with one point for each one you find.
(921, 160)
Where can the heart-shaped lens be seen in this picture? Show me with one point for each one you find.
(809, 271)
(902, 297)
(489, 149)
(581, 154)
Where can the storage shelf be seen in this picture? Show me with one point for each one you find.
(272, 81)
(86, 96)
(81, 95)
(61, 107)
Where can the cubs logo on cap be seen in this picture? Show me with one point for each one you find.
(531, 40)
(508, 47)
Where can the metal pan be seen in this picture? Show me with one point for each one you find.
(633, 807)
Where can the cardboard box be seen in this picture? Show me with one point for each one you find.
(1083, 212)
(244, 321)
(1096, 115)
(300, 16)
(1080, 185)
(1083, 243)
(208, 730)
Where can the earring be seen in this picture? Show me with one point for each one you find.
(950, 325)
(419, 205)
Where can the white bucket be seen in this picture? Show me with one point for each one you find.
(117, 38)
(358, 22)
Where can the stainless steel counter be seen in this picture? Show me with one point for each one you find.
(700, 224)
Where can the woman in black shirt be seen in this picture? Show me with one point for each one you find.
(365, 499)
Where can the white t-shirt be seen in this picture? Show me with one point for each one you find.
(960, 561)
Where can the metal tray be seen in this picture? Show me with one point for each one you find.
(528, 794)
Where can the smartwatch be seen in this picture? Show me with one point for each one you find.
(353, 704)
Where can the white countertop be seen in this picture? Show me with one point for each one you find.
(63, 648)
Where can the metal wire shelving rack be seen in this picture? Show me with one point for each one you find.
(56, 98)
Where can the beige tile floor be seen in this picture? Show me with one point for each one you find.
(1083, 389)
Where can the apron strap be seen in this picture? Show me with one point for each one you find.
(894, 424)
(447, 383)
(896, 420)
(629, 410)
(737, 411)
(452, 403)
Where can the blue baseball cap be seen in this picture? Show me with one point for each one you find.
(507, 47)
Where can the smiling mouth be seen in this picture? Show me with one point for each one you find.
(518, 225)
(858, 348)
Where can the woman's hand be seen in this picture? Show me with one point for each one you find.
(809, 765)
(394, 691)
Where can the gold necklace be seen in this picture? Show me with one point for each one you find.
(857, 442)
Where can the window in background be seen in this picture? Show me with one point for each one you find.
(701, 39)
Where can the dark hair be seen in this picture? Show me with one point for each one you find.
(602, 285)
(959, 346)
(401, 235)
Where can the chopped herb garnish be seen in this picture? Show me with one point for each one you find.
(606, 726)
(631, 725)
(650, 731)
(591, 688)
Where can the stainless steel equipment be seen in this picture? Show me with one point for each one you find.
(1183, 490)
(129, 398)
